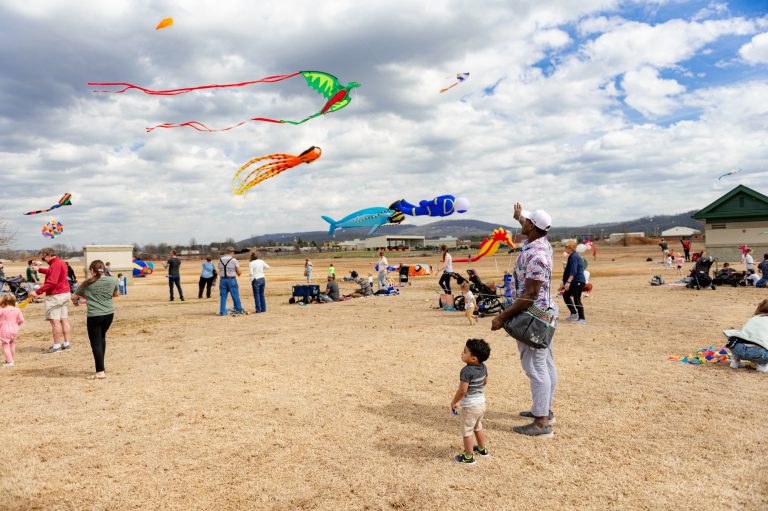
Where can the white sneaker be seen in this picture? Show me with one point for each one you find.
(572, 317)
(762, 368)
(737, 364)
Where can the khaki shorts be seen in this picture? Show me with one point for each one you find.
(56, 306)
(471, 419)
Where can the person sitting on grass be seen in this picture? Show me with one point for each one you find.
(365, 289)
(331, 290)
(751, 342)
(471, 396)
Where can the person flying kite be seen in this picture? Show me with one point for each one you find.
(460, 77)
(336, 95)
(729, 173)
(64, 201)
(279, 163)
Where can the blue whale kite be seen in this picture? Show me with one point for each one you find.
(444, 205)
(369, 217)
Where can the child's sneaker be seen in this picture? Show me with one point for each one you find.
(481, 452)
(65, 347)
(737, 364)
(762, 368)
(572, 317)
(7, 364)
(464, 459)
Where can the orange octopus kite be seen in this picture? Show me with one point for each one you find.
(280, 163)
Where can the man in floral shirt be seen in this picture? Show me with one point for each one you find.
(531, 286)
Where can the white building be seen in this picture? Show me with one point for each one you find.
(680, 232)
(394, 242)
(448, 241)
(120, 257)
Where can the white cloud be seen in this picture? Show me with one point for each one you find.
(649, 94)
(756, 51)
(553, 38)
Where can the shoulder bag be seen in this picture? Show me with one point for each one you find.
(534, 326)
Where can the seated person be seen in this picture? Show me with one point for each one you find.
(331, 290)
(751, 342)
(366, 289)
(352, 278)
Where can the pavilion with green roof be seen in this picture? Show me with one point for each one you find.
(740, 217)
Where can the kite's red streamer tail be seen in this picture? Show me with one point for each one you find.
(176, 92)
(443, 90)
(199, 126)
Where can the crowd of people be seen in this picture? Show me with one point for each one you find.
(530, 297)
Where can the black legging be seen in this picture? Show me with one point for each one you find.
(97, 334)
(572, 297)
(205, 282)
(445, 282)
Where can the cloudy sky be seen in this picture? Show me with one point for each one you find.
(595, 110)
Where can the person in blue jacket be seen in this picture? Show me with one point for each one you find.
(573, 283)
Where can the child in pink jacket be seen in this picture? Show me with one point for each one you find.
(10, 319)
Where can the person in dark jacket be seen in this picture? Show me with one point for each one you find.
(573, 283)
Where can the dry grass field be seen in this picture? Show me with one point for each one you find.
(346, 405)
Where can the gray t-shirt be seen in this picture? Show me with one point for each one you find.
(98, 296)
(174, 263)
(475, 376)
(332, 290)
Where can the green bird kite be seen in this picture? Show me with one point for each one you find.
(337, 96)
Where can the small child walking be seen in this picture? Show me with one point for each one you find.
(11, 318)
(331, 270)
(471, 397)
(122, 284)
(469, 303)
(680, 262)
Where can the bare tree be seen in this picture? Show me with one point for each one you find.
(7, 235)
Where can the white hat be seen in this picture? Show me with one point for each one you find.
(539, 218)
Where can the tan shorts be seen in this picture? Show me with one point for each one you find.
(56, 306)
(471, 419)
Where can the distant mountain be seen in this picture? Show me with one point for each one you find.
(463, 229)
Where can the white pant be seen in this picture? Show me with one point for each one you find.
(539, 366)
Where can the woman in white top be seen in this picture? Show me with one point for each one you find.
(383, 263)
(446, 264)
(258, 282)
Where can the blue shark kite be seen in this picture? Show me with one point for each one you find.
(369, 217)
(443, 205)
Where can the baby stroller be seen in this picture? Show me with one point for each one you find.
(488, 302)
(15, 286)
(699, 276)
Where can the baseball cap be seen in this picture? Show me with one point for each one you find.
(539, 217)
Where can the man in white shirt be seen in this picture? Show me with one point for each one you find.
(258, 282)
(383, 263)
